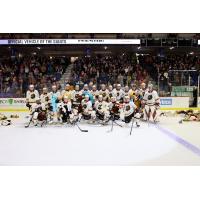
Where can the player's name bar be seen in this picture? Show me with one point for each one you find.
(68, 41)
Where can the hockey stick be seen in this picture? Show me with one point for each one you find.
(117, 124)
(132, 125)
(82, 130)
(112, 125)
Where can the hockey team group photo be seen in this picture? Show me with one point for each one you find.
(99, 99)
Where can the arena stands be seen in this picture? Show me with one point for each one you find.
(17, 73)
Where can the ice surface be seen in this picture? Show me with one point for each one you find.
(66, 145)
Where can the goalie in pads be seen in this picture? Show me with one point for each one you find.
(151, 104)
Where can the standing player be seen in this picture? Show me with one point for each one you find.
(151, 104)
(104, 92)
(118, 93)
(86, 92)
(44, 97)
(31, 96)
(110, 91)
(54, 99)
(126, 90)
(94, 92)
(67, 92)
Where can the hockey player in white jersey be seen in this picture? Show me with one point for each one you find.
(45, 98)
(102, 109)
(38, 112)
(126, 91)
(76, 96)
(110, 91)
(31, 96)
(128, 111)
(151, 104)
(87, 109)
(104, 92)
(95, 92)
(65, 109)
(118, 93)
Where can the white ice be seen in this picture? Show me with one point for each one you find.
(66, 145)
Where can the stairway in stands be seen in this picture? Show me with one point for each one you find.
(66, 76)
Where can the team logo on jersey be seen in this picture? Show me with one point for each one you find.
(32, 96)
(150, 97)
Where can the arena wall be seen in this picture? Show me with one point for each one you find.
(166, 103)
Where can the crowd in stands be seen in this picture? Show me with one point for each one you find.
(122, 69)
(126, 69)
(17, 73)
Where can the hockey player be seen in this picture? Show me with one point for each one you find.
(114, 108)
(95, 92)
(118, 93)
(143, 88)
(38, 112)
(86, 92)
(132, 91)
(110, 91)
(54, 95)
(67, 92)
(102, 109)
(126, 90)
(76, 97)
(137, 99)
(44, 97)
(151, 104)
(87, 110)
(31, 96)
(128, 111)
(104, 92)
(65, 109)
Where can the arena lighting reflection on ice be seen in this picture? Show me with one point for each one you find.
(68, 41)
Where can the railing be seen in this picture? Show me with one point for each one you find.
(180, 83)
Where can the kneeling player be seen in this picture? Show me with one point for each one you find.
(38, 112)
(87, 110)
(114, 107)
(128, 111)
(102, 109)
(64, 109)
